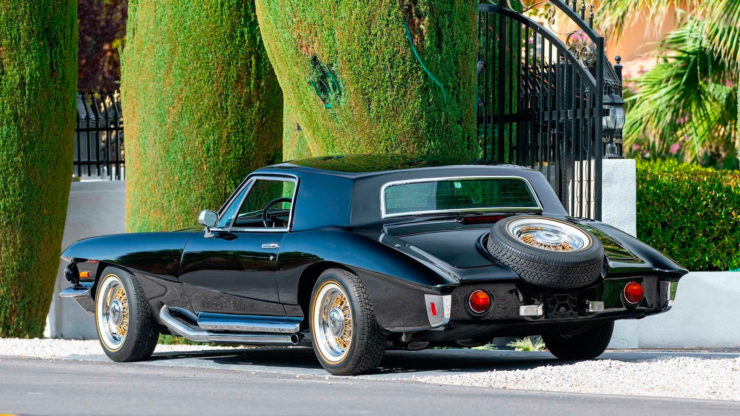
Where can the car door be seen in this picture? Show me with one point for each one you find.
(232, 268)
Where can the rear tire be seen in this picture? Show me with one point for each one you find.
(586, 345)
(126, 327)
(346, 338)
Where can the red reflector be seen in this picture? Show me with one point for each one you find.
(479, 301)
(434, 308)
(633, 292)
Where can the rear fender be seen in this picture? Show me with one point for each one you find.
(395, 283)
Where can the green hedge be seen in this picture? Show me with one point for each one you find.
(353, 84)
(203, 107)
(690, 213)
(38, 81)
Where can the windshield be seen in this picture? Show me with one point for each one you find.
(456, 195)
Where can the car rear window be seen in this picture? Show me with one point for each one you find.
(457, 195)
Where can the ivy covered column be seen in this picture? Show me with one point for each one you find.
(202, 108)
(384, 76)
(38, 82)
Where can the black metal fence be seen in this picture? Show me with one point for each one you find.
(540, 100)
(99, 149)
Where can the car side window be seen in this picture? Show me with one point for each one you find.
(230, 213)
(267, 204)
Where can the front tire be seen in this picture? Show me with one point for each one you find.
(125, 324)
(346, 338)
(585, 345)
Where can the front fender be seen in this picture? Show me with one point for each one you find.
(154, 253)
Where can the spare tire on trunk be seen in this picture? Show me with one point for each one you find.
(547, 252)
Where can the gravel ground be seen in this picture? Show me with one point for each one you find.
(681, 377)
(695, 375)
(57, 348)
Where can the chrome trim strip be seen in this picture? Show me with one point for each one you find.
(531, 310)
(270, 245)
(594, 306)
(236, 323)
(444, 178)
(199, 335)
(76, 292)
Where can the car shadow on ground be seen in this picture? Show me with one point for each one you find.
(301, 360)
(394, 362)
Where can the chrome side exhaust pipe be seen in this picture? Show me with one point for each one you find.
(195, 334)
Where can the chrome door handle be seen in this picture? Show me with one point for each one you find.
(270, 245)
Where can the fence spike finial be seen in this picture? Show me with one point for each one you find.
(591, 15)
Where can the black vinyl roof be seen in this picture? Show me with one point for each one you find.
(345, 190)
(354, 166)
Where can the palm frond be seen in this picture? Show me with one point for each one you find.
(723, 28)
(687, 98)
(613, 16)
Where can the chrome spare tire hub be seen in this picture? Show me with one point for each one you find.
(112, 313)
(332, 322)
(548, 234)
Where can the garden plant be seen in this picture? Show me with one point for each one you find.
(38, 81)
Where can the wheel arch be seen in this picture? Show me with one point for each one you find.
(102, 265)
(308, 279)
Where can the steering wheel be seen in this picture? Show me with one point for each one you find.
(265, 215)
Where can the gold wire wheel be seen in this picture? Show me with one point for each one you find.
(549, 235)
(332, 322)
(112, 312)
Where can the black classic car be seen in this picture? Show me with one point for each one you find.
(355, 255)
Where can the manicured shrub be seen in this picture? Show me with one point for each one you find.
(38, 80)
(353, 84)
(690, 213)
(202, 105)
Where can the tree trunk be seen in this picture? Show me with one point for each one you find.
(354, 84)
(202, 108)
(38, 82)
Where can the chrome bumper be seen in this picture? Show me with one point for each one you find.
(82, 293)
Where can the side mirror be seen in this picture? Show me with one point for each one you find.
(209, 219)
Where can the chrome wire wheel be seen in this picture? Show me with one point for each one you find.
(550, 235)
(112, 312)
(332, 322)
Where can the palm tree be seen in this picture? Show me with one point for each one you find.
(689, 101)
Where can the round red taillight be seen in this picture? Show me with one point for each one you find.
(479, 301)
(633, 292)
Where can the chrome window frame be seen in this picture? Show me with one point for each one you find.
(248, 184)
(449, 178)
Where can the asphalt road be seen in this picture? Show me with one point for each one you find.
(290, 382)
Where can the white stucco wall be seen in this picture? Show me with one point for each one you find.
(706, 314)
(95, 208)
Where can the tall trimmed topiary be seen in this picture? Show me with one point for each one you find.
(381, 76)
(202, 107)
(38, 81)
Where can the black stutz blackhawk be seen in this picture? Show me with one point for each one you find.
(355, 255)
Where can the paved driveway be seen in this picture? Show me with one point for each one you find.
(289, 381)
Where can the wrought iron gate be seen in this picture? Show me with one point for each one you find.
(540, 100)
(99, 150)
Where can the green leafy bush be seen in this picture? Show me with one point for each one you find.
(690, 213)
(38, 81)
(203, 108)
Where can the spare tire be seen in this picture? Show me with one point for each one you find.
(547, 252)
